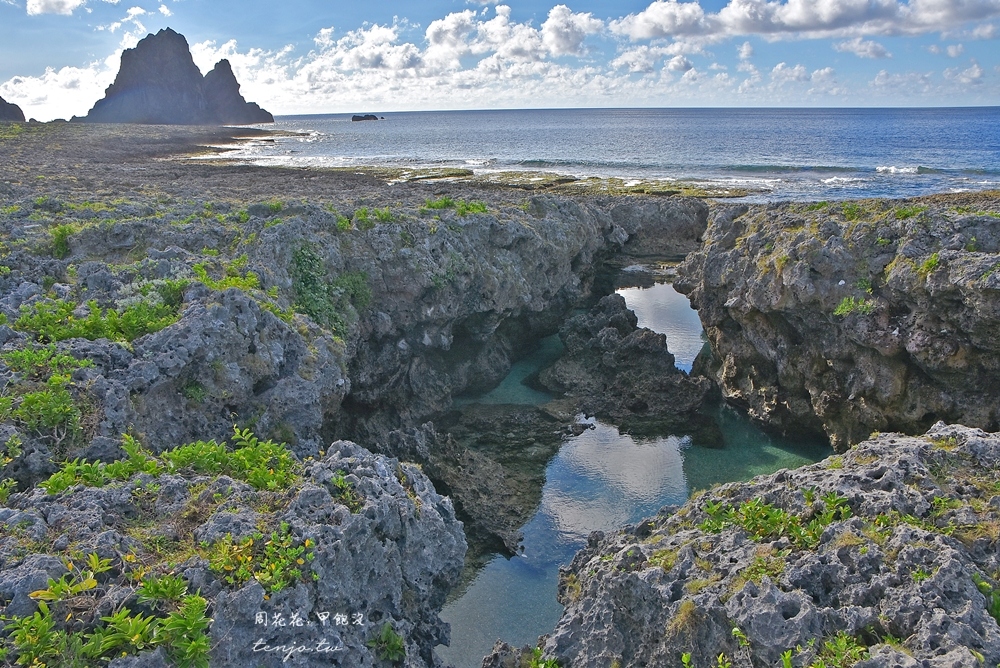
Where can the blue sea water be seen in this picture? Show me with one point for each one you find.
(783, 153)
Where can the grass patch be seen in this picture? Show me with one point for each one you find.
(265, 465)
(763, 521)
(849, 305)
(54, 320)
(904, 212)
(929, 265)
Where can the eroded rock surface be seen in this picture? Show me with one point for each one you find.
(620, 372)
(854, 317)
(388, 552)
(900, 544)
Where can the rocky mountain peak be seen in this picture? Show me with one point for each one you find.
(159, 83)
(10, 111)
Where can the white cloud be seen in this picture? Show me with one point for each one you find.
(663, 18)
(679, 64)
(802, 18)
(906, 83)
(782, 74)
(165, 10)
(971, 76)
(64, 7)
(863, 48)
(985, 31)
(639, 59)
(955, 50)
(563, 31)
(61, 93)
(745, 51)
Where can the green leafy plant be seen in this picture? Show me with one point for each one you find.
(158, 589)
(388, 644)
(60, 241)
(465, 208)
(764, 521)
(275, 561)
(41, 362)
(841, 651)
(904, 212)
(537, 661)
(383, 215)
(344, 492)
(54, 320)
(929, 265)
(328, 301)
(850, 305)
(991, 594)
(362, 217)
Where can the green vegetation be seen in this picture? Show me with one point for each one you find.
(328, 301)
(991, 594)
(850, 305)
(263, 464)
(274, 561)
(362, 219)
(762, 521)
(817, 206)
(343, 223)
(929, 265)
(841, 651)
(384, 215)
(235, 275)
(851, 210)
(388, 644)
(905, 212)
(275, 206)
(46, 639)
(40, 399)
(462, 208)
(54, 320)
(344, 492)
(60, 241)
(538, 662)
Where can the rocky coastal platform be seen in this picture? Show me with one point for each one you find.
(230, 390)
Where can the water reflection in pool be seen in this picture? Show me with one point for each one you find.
(602, 480)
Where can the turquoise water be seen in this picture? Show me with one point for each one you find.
(602, 480)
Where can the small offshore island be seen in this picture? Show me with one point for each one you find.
(230, 436)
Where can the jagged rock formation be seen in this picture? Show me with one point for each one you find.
(158, 83)
(855, 317)
(886, 550)
(620, 372)
(10, 112)
(225, 103)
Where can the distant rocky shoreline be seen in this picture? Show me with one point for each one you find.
(333, 316)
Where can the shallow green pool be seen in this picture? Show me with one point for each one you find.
(602, 480)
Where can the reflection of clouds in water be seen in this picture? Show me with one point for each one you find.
(664, 310)
(600, 478)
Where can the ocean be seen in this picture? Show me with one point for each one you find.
(780, 154)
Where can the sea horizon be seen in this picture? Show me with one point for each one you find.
(774, 153)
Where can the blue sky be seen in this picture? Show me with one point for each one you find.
(318, 56)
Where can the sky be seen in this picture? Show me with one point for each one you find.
(333, 56)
